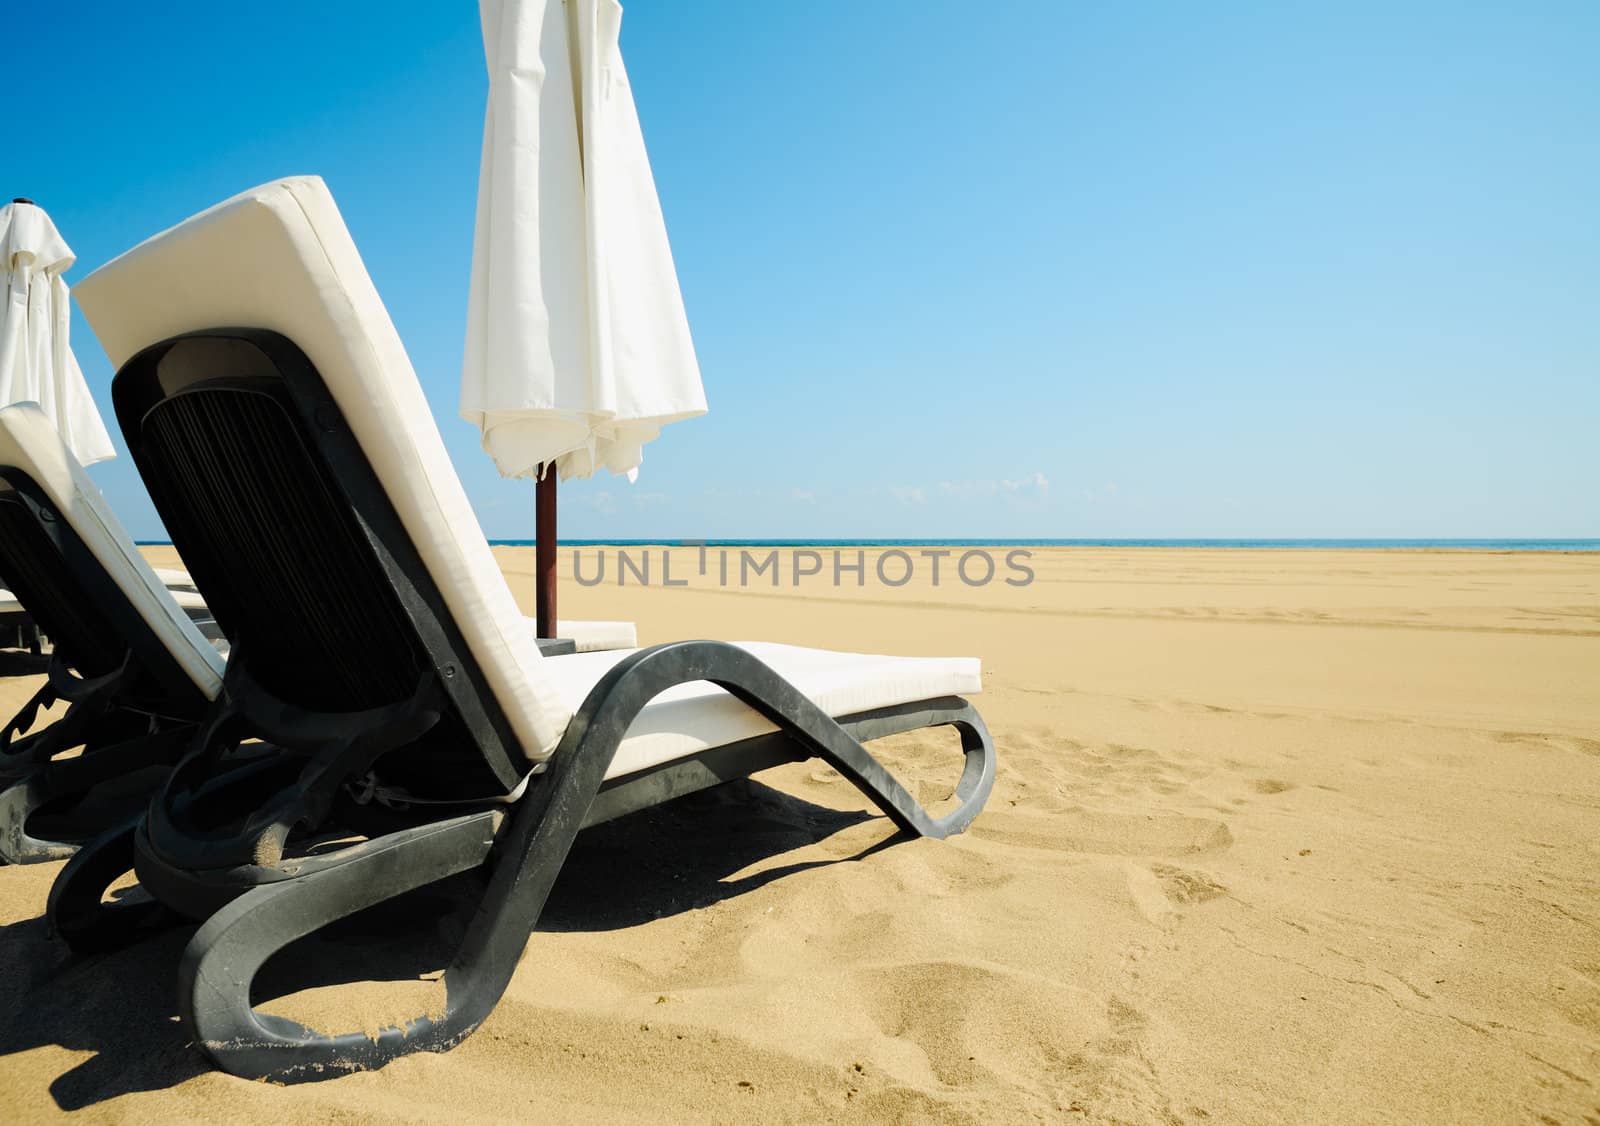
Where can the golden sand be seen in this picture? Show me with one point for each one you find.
(1301, 835)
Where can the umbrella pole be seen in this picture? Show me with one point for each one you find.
(544, 553)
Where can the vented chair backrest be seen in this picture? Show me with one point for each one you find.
(268, 534)
(295, 545)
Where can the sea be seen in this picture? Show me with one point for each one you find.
(1271, 544)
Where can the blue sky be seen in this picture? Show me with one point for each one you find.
(1019, 269)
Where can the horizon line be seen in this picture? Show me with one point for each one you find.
(1469, 543)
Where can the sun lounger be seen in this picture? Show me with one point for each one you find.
(133, 667)
(298, 469)
(18, 630)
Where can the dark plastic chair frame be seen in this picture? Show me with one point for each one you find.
(136, 709)
(259, 886)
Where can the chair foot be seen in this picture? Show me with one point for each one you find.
(77, 910)
(225, 954)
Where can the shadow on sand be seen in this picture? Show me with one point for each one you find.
(658, 862)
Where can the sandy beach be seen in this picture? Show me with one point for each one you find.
(1305, 836)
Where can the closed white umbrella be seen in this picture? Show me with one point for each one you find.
(578, 350)
(36, 361)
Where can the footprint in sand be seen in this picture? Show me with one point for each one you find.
(1184, 887)
(1574, 743)
(1049, 760)
(952, 1025)
(1271, 786)
(1580, 1003)
(1126, 1024)
(1161, 891)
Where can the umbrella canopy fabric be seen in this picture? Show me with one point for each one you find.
(578, 350)
(36, 361)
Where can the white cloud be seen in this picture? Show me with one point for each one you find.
(803, 496)
(967, 488)
(602, 502)
(1035, 482)
(908, 494)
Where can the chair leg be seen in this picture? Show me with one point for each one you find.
(977, 774)
(225, 954)
(18, 802)
(77, 911)
(75, 777)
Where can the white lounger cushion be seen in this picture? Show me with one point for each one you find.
(29, 442)
(694, 717)
(174, 579)
(596, 637)
(278, 257)
(188, 599)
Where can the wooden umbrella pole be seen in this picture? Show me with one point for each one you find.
(544, 553)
